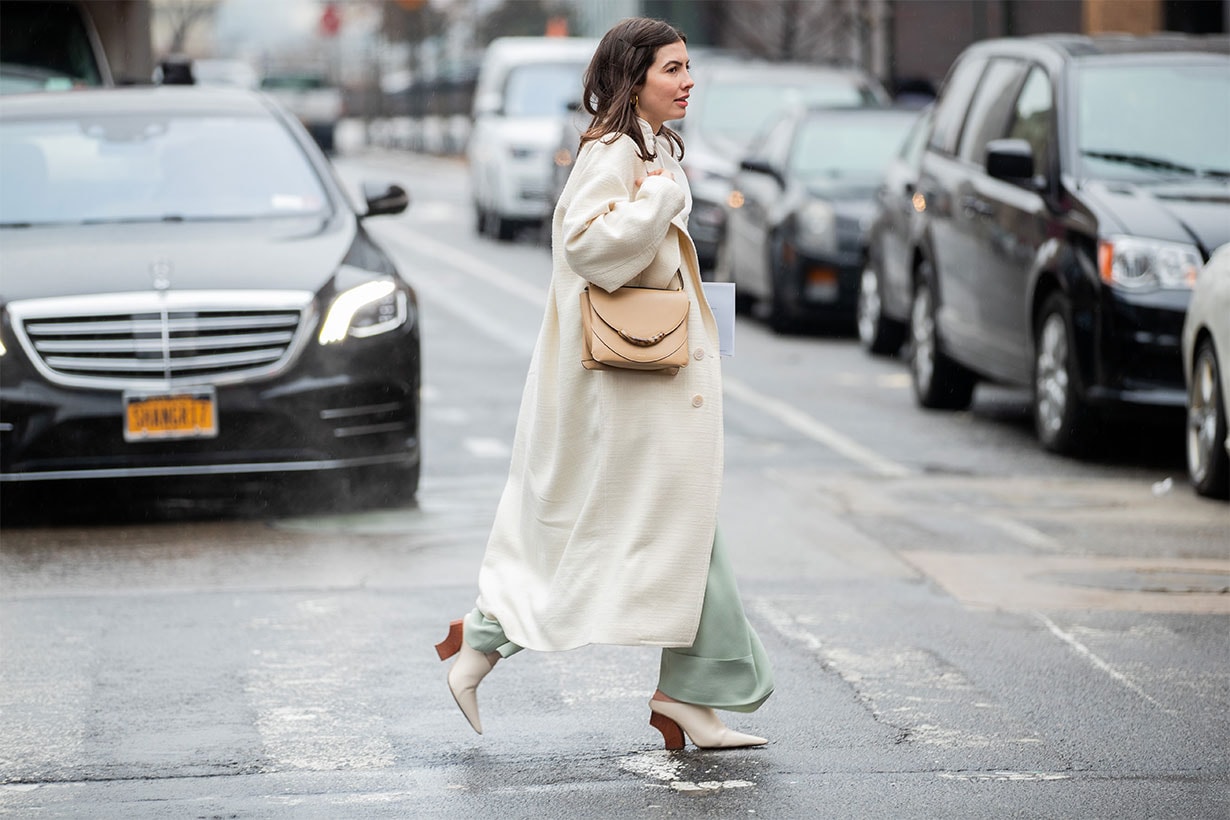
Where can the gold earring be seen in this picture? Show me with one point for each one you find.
(636, 100)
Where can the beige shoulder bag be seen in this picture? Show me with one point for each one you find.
(634, 329)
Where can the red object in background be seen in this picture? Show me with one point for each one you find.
(330, 20)
(557, 27)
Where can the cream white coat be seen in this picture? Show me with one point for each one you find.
(605, 527)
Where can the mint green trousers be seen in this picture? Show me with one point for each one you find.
(725, 668)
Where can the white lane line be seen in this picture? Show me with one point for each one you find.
(1023, 533)
(487, 447)
(1088, 654)
(786, 413)
(665, 767)
(814, 429)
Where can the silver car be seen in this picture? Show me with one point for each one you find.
(1206, 351)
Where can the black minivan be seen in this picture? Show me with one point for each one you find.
(1072, 187)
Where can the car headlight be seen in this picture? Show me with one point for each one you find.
(368, 309)
(1145, 264)
(817, 224)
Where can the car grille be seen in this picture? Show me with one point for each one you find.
(138, 340)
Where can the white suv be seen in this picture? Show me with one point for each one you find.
(520, 103)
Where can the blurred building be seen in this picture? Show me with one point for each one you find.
(897, 40)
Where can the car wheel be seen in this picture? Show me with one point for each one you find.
(876, 333)
(724, 271)
(1208, 463)
(781, 314)
(939, 382)
(505, 230)
(1061, 418)
(480, 219)
(500, 228)
(384, 485)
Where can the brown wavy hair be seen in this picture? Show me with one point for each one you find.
(620, 64)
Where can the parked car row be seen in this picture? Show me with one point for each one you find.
(1047, 230)
(521, 154)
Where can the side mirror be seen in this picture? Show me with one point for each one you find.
(488, 103)
(759, 166)
(384, 200)
(1011, 161)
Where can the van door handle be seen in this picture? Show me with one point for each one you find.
(973, 206)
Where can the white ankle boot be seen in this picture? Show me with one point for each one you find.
(701, 724)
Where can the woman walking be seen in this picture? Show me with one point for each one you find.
(607, 528)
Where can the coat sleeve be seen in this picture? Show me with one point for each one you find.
(612, 234)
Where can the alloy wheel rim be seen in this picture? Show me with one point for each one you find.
(1051, 385)
(1202, 417)
(868, 306)
(922, 332)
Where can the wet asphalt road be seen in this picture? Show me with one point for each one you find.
(961, 625)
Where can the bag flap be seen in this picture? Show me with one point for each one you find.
(642, 313)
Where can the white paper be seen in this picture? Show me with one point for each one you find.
(721, 299)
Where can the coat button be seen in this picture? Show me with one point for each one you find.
(698, 400)
(699, 354)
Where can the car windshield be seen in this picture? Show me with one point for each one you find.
(1153, 122)
(542, 89)
(853, 148)
(49, 36)
(152, 168)
(294, 82)
(739, 111)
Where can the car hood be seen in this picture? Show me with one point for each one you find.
(1196, 212)
(529, 132)
(849, 200)
(283, 254)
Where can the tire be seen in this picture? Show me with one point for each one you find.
(500, 228)
(503, 229)
(384, 485)
(939, 382)
(781, 315)
(480, 220)
(1208, 464)
(1061, 418)
(723, 271)
(876, 333)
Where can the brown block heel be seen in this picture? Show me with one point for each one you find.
(451, 644)
(670, 730)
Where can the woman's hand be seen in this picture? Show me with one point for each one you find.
(656, 172)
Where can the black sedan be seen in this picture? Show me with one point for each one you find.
(188, 292)
(801, 207)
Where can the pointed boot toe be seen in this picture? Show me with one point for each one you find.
(673, 719)
(464, 676)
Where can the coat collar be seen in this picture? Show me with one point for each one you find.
(647, 132)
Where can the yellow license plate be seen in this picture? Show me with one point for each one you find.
(182, 415)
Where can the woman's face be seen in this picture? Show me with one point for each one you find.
(664, 94)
